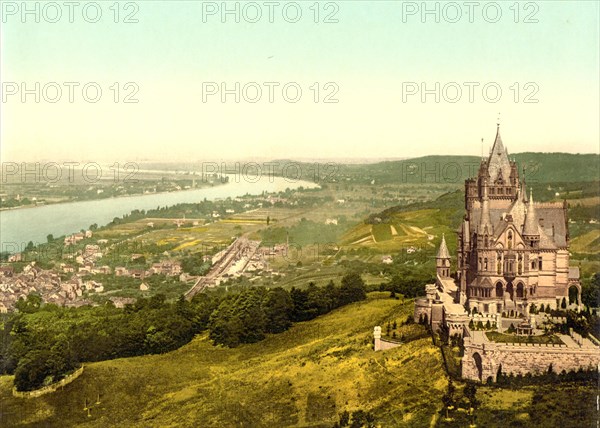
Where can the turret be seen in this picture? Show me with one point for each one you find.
(442, 260)
(524, 187)
(530, 227)
(485, 222)
(466, 235)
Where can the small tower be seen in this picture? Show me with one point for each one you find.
(530, 228)
(485, 222)
(442, 260)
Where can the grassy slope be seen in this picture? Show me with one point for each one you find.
(303, 377)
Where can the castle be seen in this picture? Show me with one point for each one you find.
(512, 251)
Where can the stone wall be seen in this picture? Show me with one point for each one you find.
(382, 344)
(482, 360)
(50, 388)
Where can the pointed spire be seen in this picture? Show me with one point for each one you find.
(524, 187)
(530, 227)
(498, 159)
(498, 147)
(443, 252)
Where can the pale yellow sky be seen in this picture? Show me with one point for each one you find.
(371, 57)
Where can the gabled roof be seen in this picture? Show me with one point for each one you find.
(552, 213)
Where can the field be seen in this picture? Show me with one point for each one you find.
(588, 243)
(303, 377)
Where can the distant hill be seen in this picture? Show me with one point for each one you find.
(540, 168)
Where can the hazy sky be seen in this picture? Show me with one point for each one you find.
(372, 61)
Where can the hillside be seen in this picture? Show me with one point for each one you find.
(540, 168)
(303, 377)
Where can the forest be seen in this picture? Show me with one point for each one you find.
(42, 343)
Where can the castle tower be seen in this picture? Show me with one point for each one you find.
(530, 228)
(442, 260)
(485, 222)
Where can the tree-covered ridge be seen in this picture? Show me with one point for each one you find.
(43, 343)
(540, 168)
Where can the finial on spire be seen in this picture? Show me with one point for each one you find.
(482, 148)
(498, 121)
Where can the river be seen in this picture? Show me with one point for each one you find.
(19, 226)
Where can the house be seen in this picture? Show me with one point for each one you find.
(144, 287)
(387, 260)
(120, 302)
(331, 221)
(150, 224)
(137, 273)
(121, 271)
(67, 268)
(88, 234)
(18, 257)
(105, 270)
(7, 271)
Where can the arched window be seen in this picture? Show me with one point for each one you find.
(520, 265)
(510, 240)
(520, 290)
(499, 289)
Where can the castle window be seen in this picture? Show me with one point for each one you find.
(485, 264)
(499, 264)
(540, 263)
(510, 240)
(520, 265)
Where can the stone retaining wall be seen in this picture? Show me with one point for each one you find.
(50, 388)
(482, 360)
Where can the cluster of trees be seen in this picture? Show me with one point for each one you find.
(358, 419)
(479, 325)
(248, 316)
(40, 343)
(195, 265)
(409, 286)
(468, 400)
(504, 380)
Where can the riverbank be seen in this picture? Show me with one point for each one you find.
(69, 201)
(18, 227)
